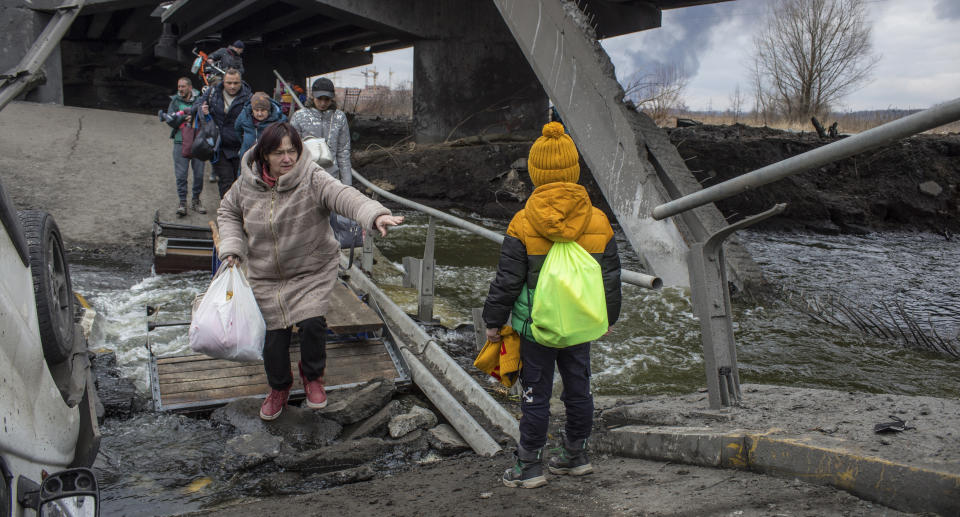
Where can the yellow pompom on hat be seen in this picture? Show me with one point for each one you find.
(553, 157)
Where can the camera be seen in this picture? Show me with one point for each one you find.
(174, 120)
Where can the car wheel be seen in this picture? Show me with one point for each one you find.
(6, 494)
(51, 284)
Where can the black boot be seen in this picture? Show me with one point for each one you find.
(527, 472)
(182, 209)
(573, 458)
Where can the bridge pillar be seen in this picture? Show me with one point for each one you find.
(19, 28)
(474, 80)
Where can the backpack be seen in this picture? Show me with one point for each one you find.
(570, 306)
(206, 139)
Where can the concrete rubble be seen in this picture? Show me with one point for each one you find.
(416, 418)
(446, 441)
(380, 425)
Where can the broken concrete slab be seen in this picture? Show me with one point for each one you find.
(446, 440)
(376, 425)
(355, 405)
(931, 188)
(344, 455)
(345, 476)
(250, 450)
(417, 418)
(300, 428)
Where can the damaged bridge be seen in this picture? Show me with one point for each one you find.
(478, 66)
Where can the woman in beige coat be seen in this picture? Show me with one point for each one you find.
(276, 218)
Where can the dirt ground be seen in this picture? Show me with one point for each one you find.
(470, 485)
(877, 189)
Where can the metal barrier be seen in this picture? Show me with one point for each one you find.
(630, 277)
(705, 261)
(27, 74)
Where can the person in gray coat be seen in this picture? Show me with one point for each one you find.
(275, 219)
(324, 120)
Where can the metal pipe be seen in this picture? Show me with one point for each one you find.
(880, 135)
(640, 279)
(152, 325)
(456, 221)
(630, 277)
(41, 49)
(289, 90)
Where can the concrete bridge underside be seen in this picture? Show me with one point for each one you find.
(477, 69)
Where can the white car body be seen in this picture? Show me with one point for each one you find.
(37, 429)
(41, 432)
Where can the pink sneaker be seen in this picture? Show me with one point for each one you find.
(316, 395)
(273, 404)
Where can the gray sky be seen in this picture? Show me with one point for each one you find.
(918, 41)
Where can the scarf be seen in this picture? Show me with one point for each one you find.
(227, 100)
(267, 178)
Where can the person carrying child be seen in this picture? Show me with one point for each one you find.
(559, 211)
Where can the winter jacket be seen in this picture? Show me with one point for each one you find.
(178, 103)
(249, 129)
(555, 212)
(283, 234)
(225, 58)
(332, 125)
(225, 120)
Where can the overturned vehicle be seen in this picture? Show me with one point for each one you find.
(49, 436)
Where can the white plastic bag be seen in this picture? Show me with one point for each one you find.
(227, 323)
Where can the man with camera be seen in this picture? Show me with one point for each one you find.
(178, 115)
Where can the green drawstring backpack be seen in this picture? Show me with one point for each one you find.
(570, 306)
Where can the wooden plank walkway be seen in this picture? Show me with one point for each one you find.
(196, 381)
(192, 382)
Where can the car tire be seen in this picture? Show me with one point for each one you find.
(51, 284)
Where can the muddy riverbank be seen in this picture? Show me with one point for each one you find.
(913, 184)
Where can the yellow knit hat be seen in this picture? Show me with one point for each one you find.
(553, 157)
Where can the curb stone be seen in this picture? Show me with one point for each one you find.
(910, 488)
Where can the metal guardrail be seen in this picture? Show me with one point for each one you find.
(849, 146)
(630, 277)
(705, 260)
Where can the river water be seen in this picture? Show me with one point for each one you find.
(155, 464)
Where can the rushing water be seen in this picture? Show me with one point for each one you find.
(155, 464)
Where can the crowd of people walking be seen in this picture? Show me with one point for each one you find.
(274, 215)
(240, 116)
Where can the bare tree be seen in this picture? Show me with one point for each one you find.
(736, 103)
(660, 92)
(812, 53)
